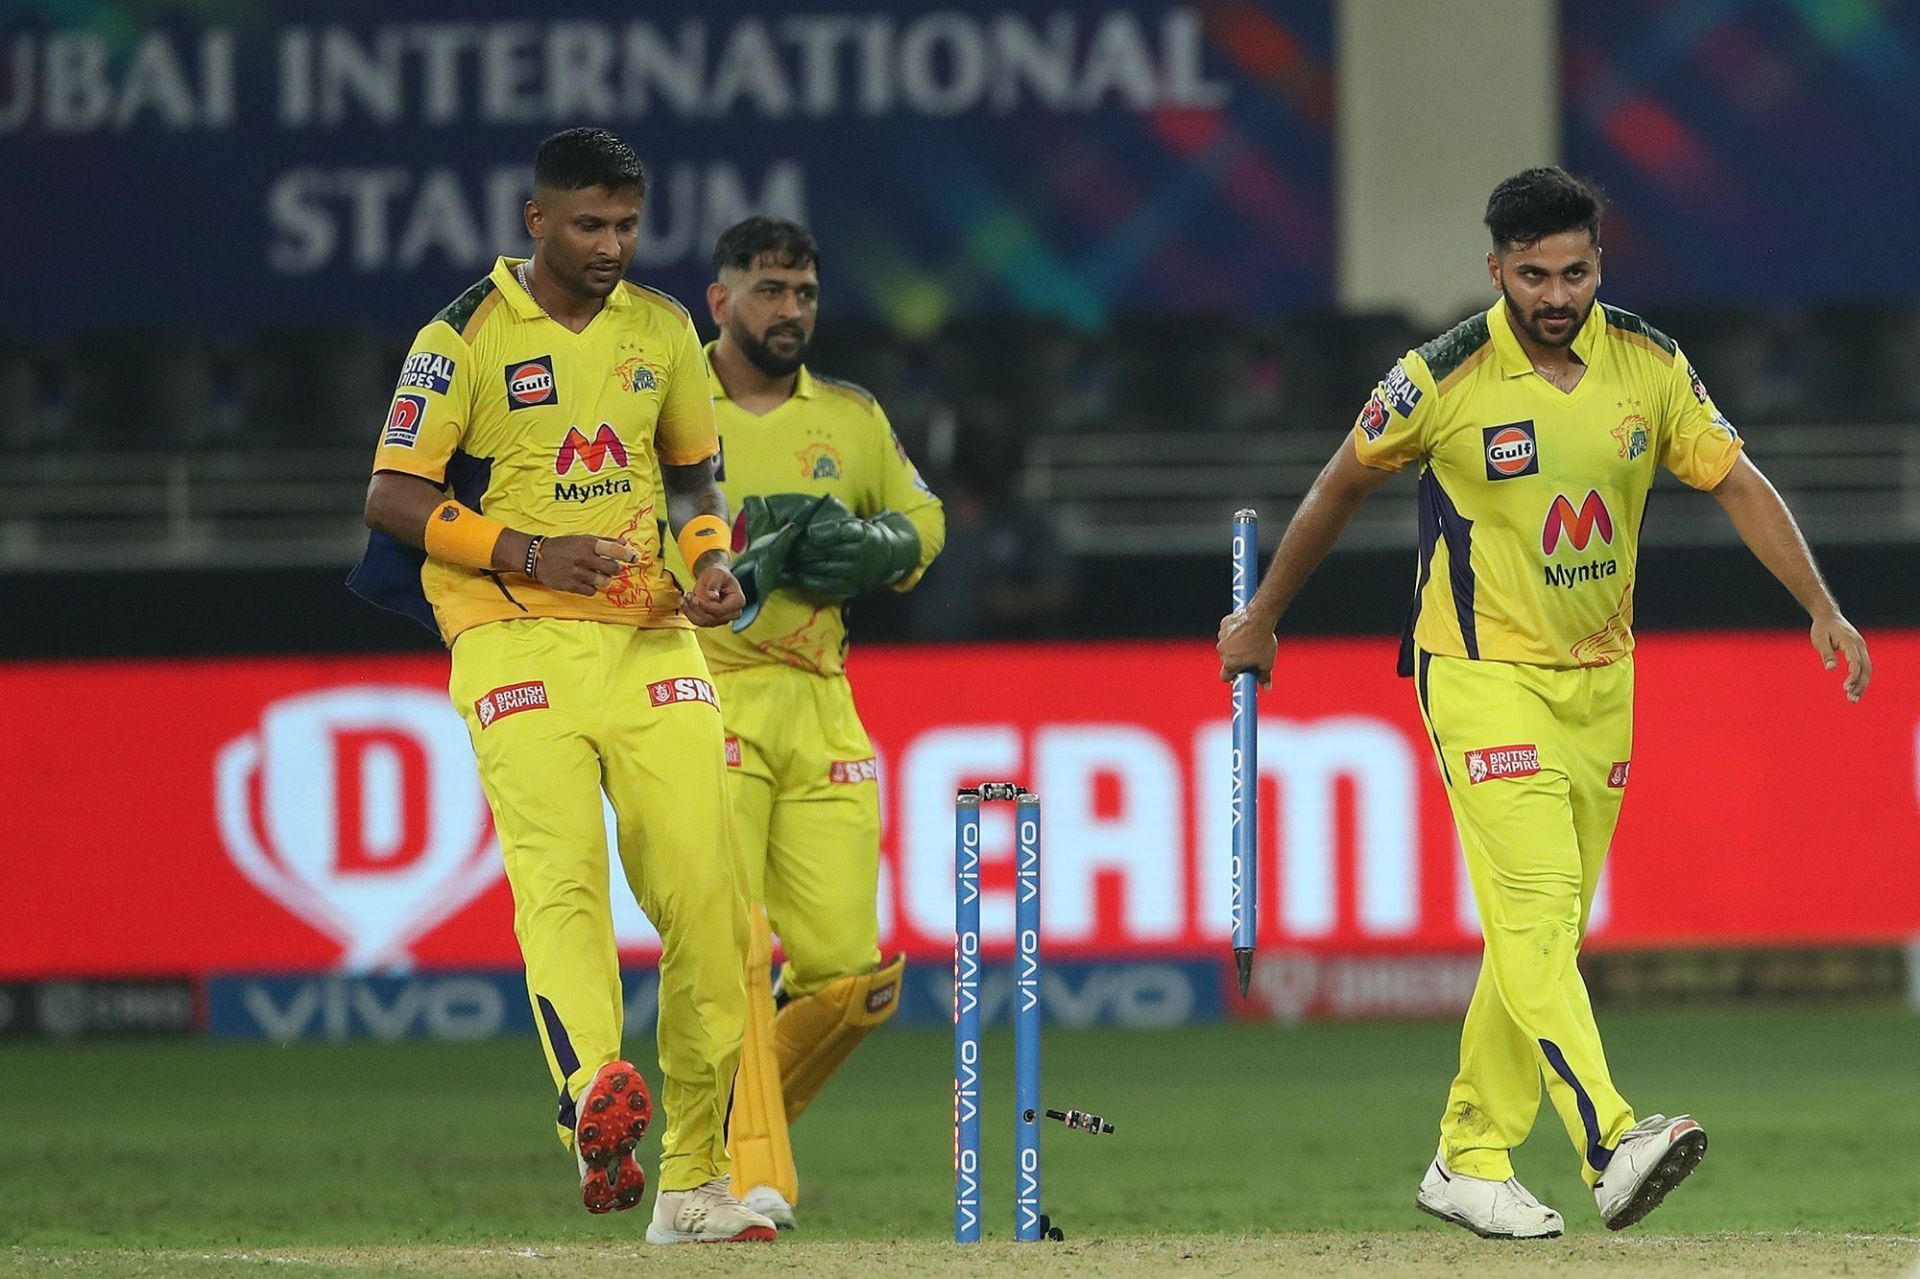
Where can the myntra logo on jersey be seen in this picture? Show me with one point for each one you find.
(1577, 529)
(577, 450)
(1576, 526)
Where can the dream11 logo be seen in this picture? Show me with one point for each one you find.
(359, 809)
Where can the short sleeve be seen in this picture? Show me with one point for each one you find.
(431, 407)
(1395, 424)
(1697, 443)
(686, 432)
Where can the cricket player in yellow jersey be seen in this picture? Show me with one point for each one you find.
(1536, 428)
(818, 470)
(536, 420)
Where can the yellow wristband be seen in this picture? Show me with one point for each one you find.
(704, 533)
(459, 534)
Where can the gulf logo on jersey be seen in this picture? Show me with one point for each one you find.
(1578, 527)
(1511, 450)
(592, 454)
(530, 383)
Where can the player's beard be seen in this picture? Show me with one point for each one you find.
(589, 284)
(764, 357)
(1531, 322)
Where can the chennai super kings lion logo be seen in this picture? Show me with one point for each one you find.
(1632, 435)
(628, 587)
(819, 462)
(635, 376)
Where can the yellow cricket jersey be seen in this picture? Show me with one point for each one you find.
(1531, 497)
(827, 437)
(552, 432)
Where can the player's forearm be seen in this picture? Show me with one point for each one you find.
(1312, 532)
(1764, 523)
(401, 505)
(692, 492)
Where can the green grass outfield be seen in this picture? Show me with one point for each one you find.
(1244, 1149)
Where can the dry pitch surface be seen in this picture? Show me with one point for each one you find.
(1423, 1253)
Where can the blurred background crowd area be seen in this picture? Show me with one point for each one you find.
(1008, 377)
(1113, 268)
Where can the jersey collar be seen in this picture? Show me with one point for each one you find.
(803, 384)
(1513, 357)
(506, 279)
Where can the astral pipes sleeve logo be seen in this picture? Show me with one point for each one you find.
(359, 809)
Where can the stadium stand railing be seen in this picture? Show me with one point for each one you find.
(1136, 493)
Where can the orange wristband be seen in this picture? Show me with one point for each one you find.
(459, 534)
(704, 533)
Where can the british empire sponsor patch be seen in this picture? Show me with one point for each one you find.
(511, 699)
(1494, 762)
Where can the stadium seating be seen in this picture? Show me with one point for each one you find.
(138, 389)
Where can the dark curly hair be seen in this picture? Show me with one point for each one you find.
(1536, 203)
(745, 243)
(575, 159)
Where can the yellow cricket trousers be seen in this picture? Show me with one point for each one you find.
(1535, 764)
(806, 800)
(558, 711)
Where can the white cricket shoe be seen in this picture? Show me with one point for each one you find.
(1491, 1209)
(1653, 1157)
(706, 1214)
(771, 1204)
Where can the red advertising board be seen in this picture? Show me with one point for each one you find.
(300, 814)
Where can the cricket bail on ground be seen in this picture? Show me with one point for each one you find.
(1029, 1222)
(1244, 820)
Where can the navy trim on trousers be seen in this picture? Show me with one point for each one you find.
(1598, 1156)
(563, 1053)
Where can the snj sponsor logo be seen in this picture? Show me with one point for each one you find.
(685, 689)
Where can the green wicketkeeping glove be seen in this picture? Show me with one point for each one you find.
(764, 535)
(763, 515)
(836, 558)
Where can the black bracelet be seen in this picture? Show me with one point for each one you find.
(533, 556)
